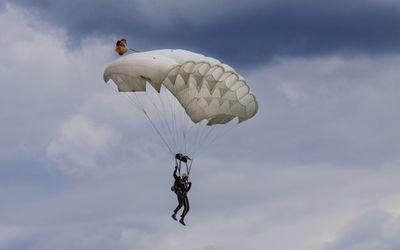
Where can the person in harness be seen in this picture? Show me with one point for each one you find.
(181, 187)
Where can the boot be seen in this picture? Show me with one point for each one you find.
(173, 216)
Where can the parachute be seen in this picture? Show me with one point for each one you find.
(190, 95)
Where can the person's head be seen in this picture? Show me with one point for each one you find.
(184, 176)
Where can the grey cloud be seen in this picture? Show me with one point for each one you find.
(63, 238)
(214, 248)
(129, 208)
(342, 112)
(375, 230)
(241, 34)
(19, 243)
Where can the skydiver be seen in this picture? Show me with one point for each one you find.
(181, 187)
(121, 46)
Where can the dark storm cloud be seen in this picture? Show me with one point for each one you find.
(241, 33)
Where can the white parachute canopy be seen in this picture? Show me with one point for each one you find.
(188, 88)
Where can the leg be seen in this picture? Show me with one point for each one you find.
(185, 210)
(186, 206)
(180, 202)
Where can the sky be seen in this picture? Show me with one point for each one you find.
(316, 169)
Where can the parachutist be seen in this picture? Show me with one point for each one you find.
(181, 187)
(121, 46)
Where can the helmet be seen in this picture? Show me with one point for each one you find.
(184, 175)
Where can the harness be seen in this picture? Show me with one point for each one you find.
(179, 158)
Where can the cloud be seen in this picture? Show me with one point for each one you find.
(51, 93)
(292, 92)
(8, 234)
(374, 230)
(240, 33)
(42, 81)
(326, 109)
(287, 203)
(80, 143)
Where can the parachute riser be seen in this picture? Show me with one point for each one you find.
(179, 166)
(179, 158)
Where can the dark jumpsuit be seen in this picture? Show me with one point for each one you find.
(181, 190)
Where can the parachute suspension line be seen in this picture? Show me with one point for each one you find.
(171, 111)
(225, 132)
(203, 129)
(174, 125)
(158, 132)
(184, 131)
(139, 105)
(193, 132)
(138, 102)
(168, 111)
(177, 111)
(129, 99)
(188, 126)
(228, 127)
(135, 101)
(177, 128)
(205, 132)
(190, 141)
(153, 125)
(203, 138)
(161, 115)
(211, 136)
(185, 125)
(179, 131)
(133, 50)
(195, 139)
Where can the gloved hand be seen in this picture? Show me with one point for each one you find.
(176, 166)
